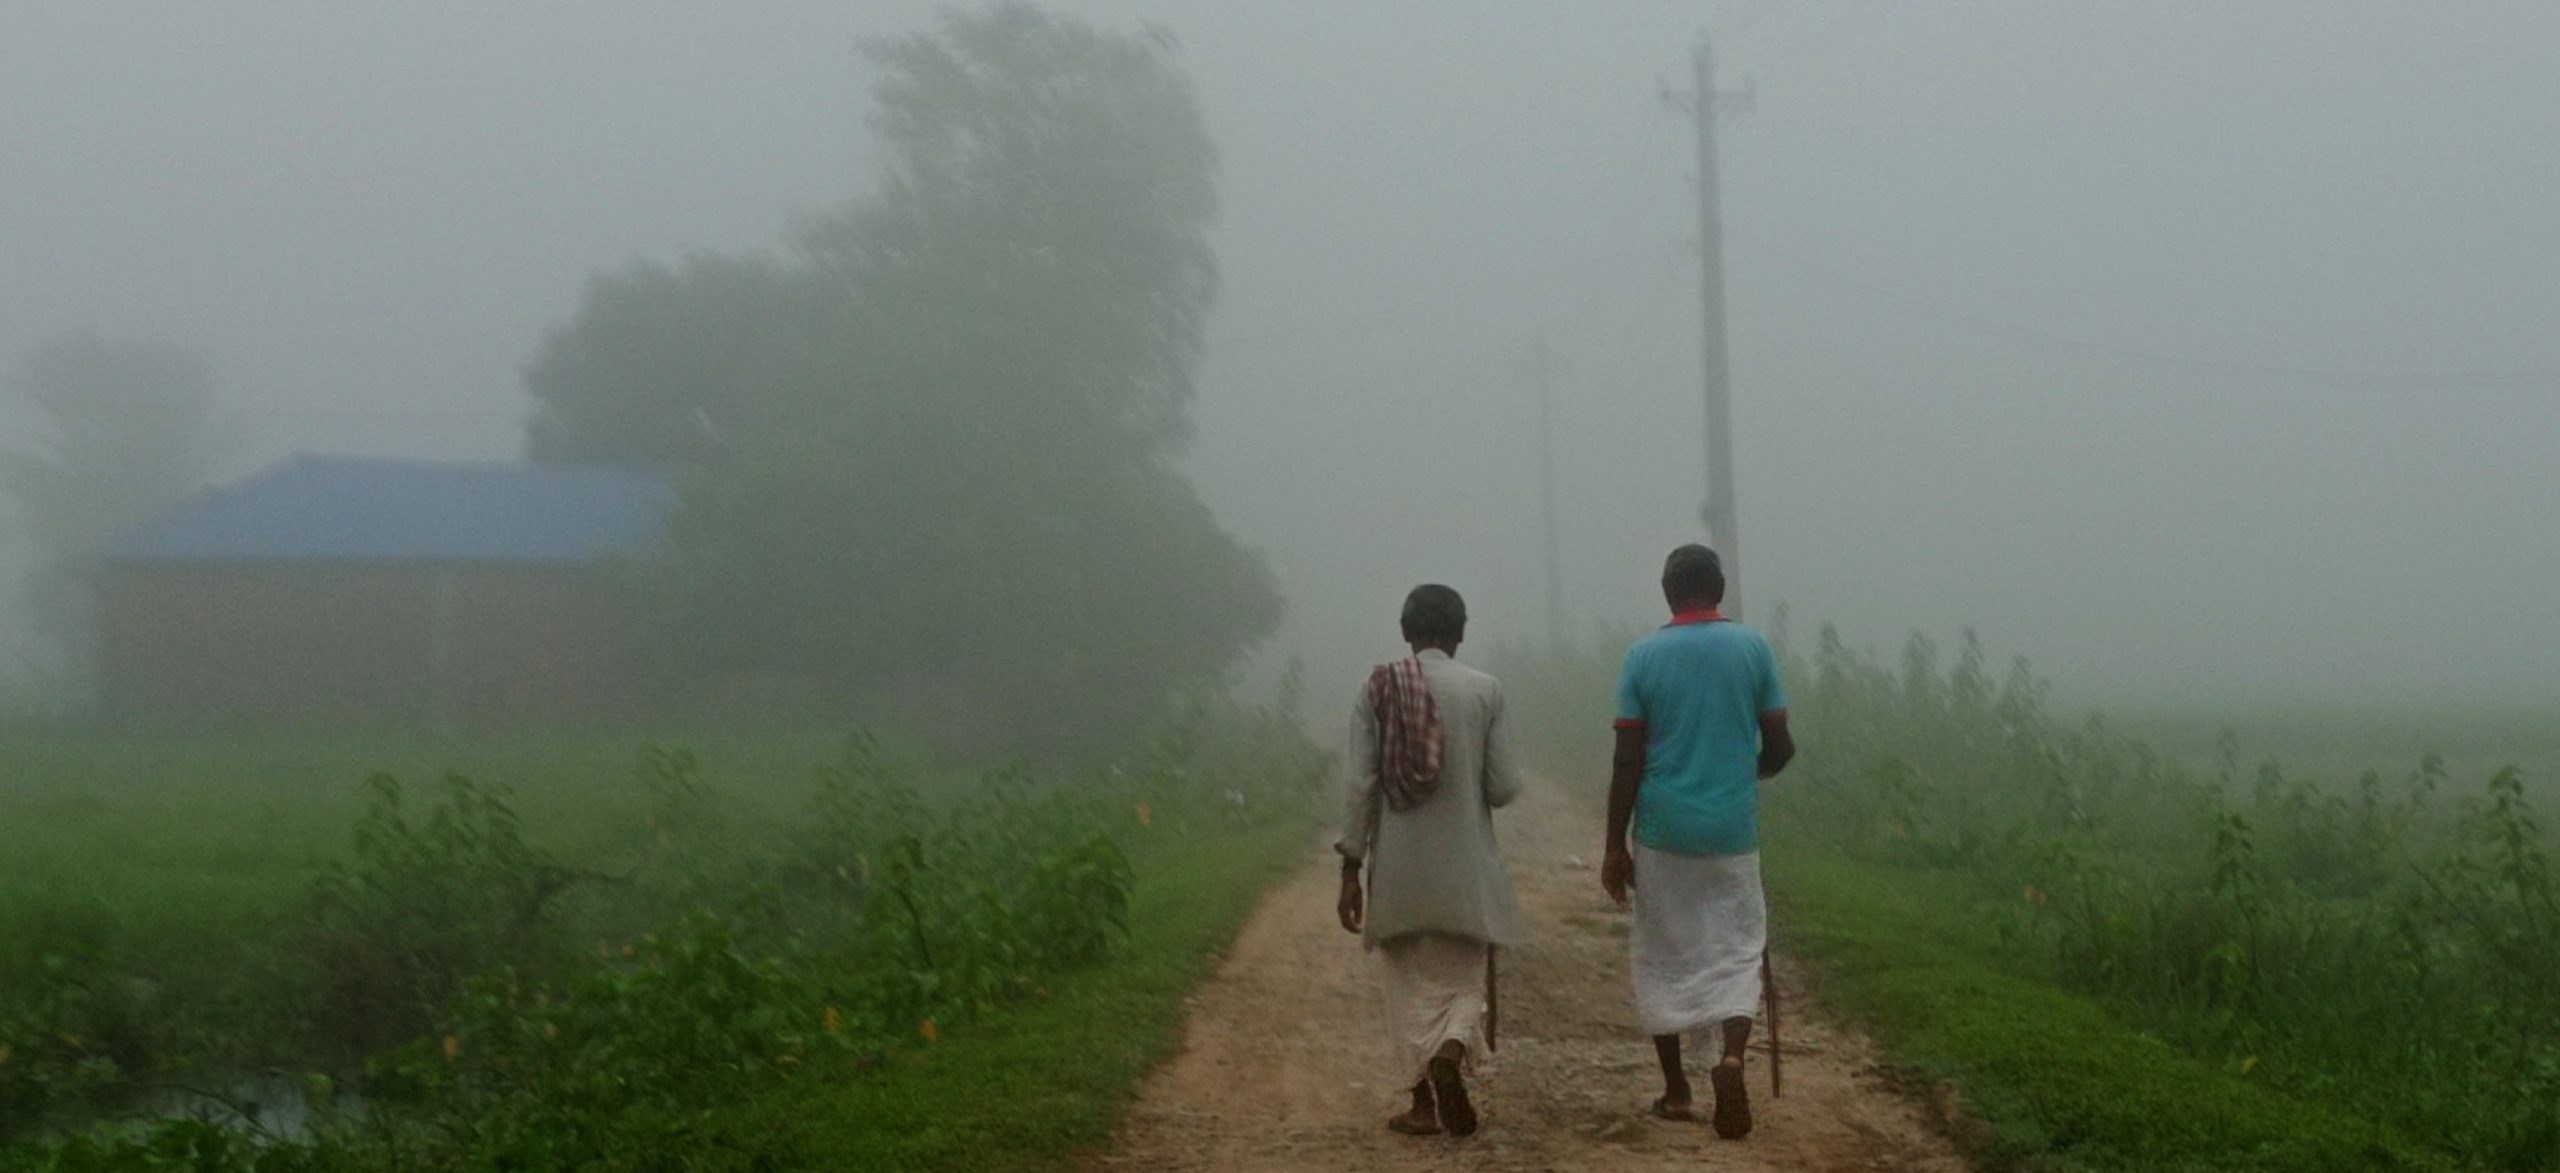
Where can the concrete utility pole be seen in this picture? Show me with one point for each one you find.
(1542, 370)
(1721, 512)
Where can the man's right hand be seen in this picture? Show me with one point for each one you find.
(1351, 907)
(1618, 873)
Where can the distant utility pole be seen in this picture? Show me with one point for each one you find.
(1721, 513)
(1542, 371)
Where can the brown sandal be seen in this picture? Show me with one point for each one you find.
(1413, 1124)
(1456, 1114)
(1733, 1102)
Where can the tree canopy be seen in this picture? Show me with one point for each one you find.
(125, 430)
(656, 365)
(931, 456)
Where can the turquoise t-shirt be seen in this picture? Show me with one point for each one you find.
(1697, 688)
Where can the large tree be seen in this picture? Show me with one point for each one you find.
(124, 430)
(958, 485)
(659, 363)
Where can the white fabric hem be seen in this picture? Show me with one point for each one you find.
(1435, 994)
(1701, 925)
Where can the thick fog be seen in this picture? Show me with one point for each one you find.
(2204, 353)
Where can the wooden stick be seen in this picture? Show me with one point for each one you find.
(1492, 1003)
(1769, 990)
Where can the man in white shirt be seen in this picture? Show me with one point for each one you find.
(1429, 759)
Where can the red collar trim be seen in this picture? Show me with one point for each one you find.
(1684, 618)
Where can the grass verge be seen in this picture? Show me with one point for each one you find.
(2048, 1079)
(1038, 1085)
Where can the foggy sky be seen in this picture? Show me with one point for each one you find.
(2204, 353)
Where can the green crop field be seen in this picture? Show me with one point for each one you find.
(350, 953)
(2336, 747)
(169, 839)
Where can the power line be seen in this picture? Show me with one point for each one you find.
(1849, 26)
(1869, 16)
(1646, 178)
(1748, 19)
(1408, 310)
(384, 415)
(2193, 364)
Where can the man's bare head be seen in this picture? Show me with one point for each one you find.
(1434, 616)
(1692, 577)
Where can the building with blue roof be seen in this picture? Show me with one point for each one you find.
(336, 590)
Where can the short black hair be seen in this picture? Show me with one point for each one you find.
(1693, 573)
(1433, 614)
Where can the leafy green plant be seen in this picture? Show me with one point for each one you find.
(66, 1039)
(425, 905)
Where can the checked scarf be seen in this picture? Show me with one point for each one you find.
(1410, 740)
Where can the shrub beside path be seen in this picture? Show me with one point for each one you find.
(1280, 1069)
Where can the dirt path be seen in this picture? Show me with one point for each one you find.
(1278, 1070)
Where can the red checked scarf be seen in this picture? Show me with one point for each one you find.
(1409, 737)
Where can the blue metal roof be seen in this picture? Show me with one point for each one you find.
(341, 509)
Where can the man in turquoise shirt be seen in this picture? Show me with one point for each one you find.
(1702, 719)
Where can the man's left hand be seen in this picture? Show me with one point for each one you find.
(1618, 874)
(1352, 906)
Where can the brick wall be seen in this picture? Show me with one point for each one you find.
(306, 644)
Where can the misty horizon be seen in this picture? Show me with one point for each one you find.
(2200, 355)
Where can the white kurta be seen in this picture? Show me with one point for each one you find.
(1701, 923)
(1439, 898)
(1436, 867)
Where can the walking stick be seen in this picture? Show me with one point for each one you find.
(1769, 989)
(1492, 1003)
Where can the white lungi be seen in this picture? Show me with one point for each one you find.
(1701, 923)
(1435, 993)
